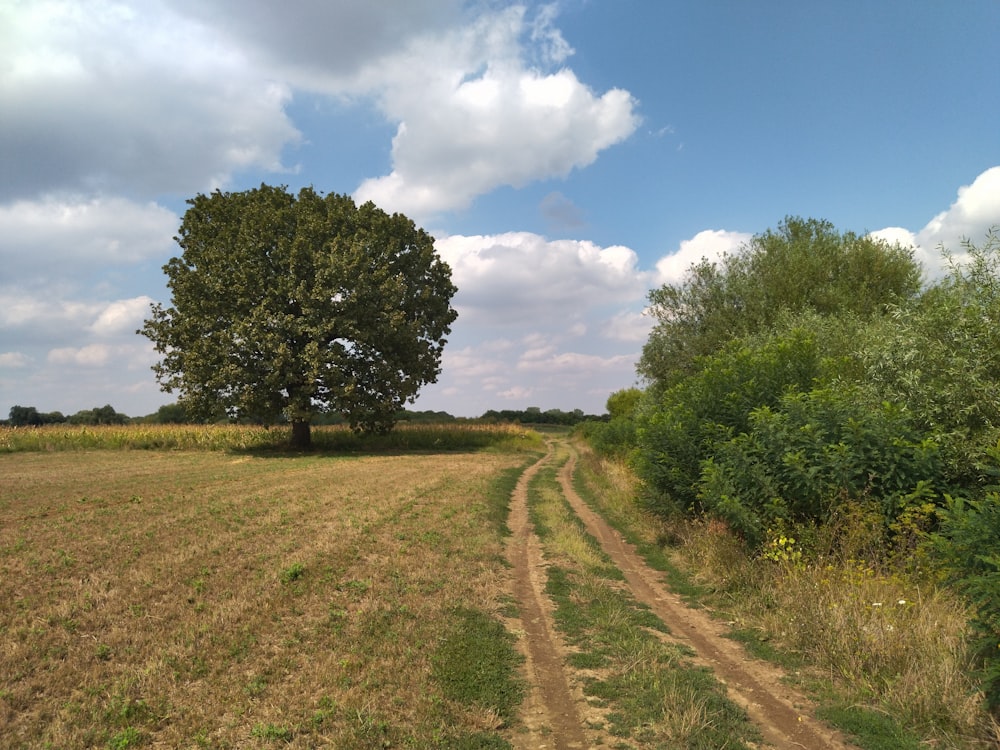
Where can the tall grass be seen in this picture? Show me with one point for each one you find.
(444, 437)
(889, 642)
(892, 642)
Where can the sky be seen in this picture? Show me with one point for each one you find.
(567, 156)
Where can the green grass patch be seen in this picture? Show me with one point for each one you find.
(871, 729)
(272, 733)
(758, 643)
(673, 707)
(477, 663)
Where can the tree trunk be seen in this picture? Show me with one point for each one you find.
(301, 435)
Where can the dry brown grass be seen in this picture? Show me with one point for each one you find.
(206, 600)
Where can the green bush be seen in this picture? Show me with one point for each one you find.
(689, 421)
(615, 438)
(813, 451)
(969, 547)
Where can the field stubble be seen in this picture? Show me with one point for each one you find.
(208, 599)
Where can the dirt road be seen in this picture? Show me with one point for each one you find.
(555, 712)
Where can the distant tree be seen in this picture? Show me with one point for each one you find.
(805, 265)
(24, 416)
(623, 403)
(535, 415)
(285, 307)
(99, 415)
(171, 414)
(84, 416)
(425, 416)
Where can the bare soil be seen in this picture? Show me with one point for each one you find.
(553, 711)
(550, 712)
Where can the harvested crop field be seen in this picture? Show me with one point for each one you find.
(210, 599)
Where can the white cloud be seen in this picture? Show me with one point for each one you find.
(628, 326)
(710, 244)
(567, 363)
(91, 355)
(521, 276)
(507, 127)
(896, 236)
(60, 237)
(973, 213)
(517, 393)
(173, 97)
(119, 96)
(474, 114)
(122, 316)
(130, 356)
(14, 360)
(975, 210)
(335, 46)
(550, 323)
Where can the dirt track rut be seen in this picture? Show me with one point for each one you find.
(555, 706)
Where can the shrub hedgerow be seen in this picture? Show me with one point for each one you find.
(810, 452)
(687, 423)
(968, 545)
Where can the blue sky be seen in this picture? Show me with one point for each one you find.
(568, 157)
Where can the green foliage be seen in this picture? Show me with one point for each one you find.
(797, 462)
(272, 732)
(292, 573)
(476, 664)
(284, 306)
(624, 403)
(29, 416)
(24, 416)
(171, 414)
(940, 359)
(100, 415)
(969, 547)
(617, 437)
(806, 265)
(805, 372)
(535, 415)
(126, 738)
(690, 420)
(871, 729)
(804, 389)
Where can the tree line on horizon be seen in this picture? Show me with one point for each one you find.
(175, 413)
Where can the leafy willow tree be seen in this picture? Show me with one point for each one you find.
(805, 265)
(287, 306)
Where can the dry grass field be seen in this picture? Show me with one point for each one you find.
(212, 599)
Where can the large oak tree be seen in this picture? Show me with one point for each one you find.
(284, 306)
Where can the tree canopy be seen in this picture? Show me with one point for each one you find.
(285, 306)
(804, 265)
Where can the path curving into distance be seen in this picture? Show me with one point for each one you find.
(550, 713)
(554, 707)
